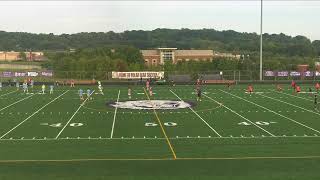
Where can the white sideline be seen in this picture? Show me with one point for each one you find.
(240, 116)
(198, 115)
(8, 93)
(273, 112)
(114, 116)
(290, 104)
(73, 116)
(158, 138)
(33, 114)
(16, 102)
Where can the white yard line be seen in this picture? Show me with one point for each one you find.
(16, 102)
(33, 114)
(8, 93)
(198, 115)
(272, 112)
(293, 96)
(114, 116)
(290, 104)
(73, 116)
(240, 115)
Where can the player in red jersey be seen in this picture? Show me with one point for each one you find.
(317, 86)
(298, 89)
(72, 83)
(148, 84)
(250, 89)
(293, 84)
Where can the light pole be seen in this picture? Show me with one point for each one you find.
(261, 42)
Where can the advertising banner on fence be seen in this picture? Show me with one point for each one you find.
(7, 74)
(20, 74)
(138, 75)
(308, 74)
(282, 73)
(269, 73)
(33, 74)
(47, 73)
(295, 74)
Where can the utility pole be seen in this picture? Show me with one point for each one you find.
(261, 42)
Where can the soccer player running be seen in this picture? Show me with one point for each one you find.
(148, 84)
(150, 91)
(298, 89)
(0, 86)
(17, 85)
(89, 94)
(31, 84)
(310, 91)
(279, 88)
(129, 92)
(72, 83)
(293, 85)
(317, 86)
(25, 87)
(100, 88)
(43, 88)
(51, 89)
(199, 93)
(81, 94)
(250, 89)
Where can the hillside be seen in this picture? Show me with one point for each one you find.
(226, 41)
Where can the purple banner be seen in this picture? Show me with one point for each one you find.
(295, 74)
(47, 73)
(282, 73)
(20, 74)
(308, 74)
(7, 74)
(269, 73)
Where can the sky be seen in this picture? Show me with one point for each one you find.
(58, 17)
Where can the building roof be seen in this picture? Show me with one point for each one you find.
(149, 52)
(194, 53)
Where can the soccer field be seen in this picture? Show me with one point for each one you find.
(229, 133)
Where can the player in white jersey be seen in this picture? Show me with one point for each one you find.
(51, 89)
(129, 93)
(100, 88)
(17, 85)
(89, 94)
(25, 87)
(0, 86)
(43, 87)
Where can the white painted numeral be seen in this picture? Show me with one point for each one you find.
(150, 124)
(76, 124)
(170, 124)
(56, 125)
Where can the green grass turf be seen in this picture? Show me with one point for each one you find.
(228, 135)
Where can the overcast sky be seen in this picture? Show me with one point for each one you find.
(290, 17)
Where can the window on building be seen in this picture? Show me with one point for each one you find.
(167, 55)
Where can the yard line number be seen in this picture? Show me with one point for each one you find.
(261, 123)
(168, 124)
(57, 125)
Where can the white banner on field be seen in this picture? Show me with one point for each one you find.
(138, 75)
